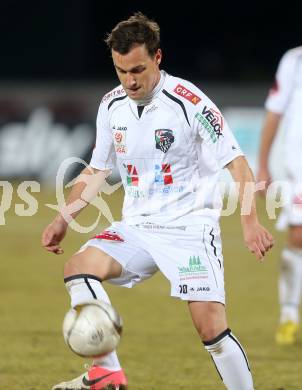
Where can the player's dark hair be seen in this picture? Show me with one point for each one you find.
(137, 30)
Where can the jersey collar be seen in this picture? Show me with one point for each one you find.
(154, 92)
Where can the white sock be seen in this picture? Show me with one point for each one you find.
(82, 289)
(290, 284)
(230, 361)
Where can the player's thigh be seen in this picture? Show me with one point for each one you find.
(124, 247)
(295, 236)
(93, 261)
(209, 318)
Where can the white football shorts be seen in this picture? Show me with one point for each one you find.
(291, 214)
(189, 257)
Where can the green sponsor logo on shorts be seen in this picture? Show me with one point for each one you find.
(195, 266)
(205, 123)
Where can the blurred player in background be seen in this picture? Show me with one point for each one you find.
(169, 142)
(285, 102)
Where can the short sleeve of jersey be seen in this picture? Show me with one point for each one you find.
(215, 132)
(280, 93)
(103, 155)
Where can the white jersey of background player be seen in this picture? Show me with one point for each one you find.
(169, 142)
(285, 99)
(285, 102)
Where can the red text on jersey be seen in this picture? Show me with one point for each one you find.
(187, 94)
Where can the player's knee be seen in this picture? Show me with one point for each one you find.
(72, 267)
(209, 319)
(208, 332)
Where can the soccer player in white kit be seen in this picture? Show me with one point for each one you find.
(169, 142)
(284, 102)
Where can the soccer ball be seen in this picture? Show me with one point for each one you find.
(93, 329)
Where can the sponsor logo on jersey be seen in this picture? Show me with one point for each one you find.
(132, 182)
(212, 121)
(151, 109)
(113, 94)
(215, 119)
(163, 174)
(132, 175)
(207, 126)
(164, 181)
(164, 138)
(194, 268)
(119, 137)
(134, 192)
(187, 94)
(166, 190)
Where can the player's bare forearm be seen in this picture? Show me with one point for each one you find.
(243, 176)
(269, 131)
(85, 189)
(257, 239)
(270, 127)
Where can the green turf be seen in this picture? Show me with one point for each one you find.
(160, 349)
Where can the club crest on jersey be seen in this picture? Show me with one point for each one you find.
(164, 138)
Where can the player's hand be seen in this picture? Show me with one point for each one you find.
(264, 176)
(257, 239)
(53, 234)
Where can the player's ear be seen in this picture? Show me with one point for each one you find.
(158, 56)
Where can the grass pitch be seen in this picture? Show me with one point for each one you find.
(159, 349)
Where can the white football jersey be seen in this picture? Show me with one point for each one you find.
(286, 98)
(169, 152)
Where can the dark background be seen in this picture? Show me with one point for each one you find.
(63, 40)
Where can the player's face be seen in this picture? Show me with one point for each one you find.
(137, 71)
